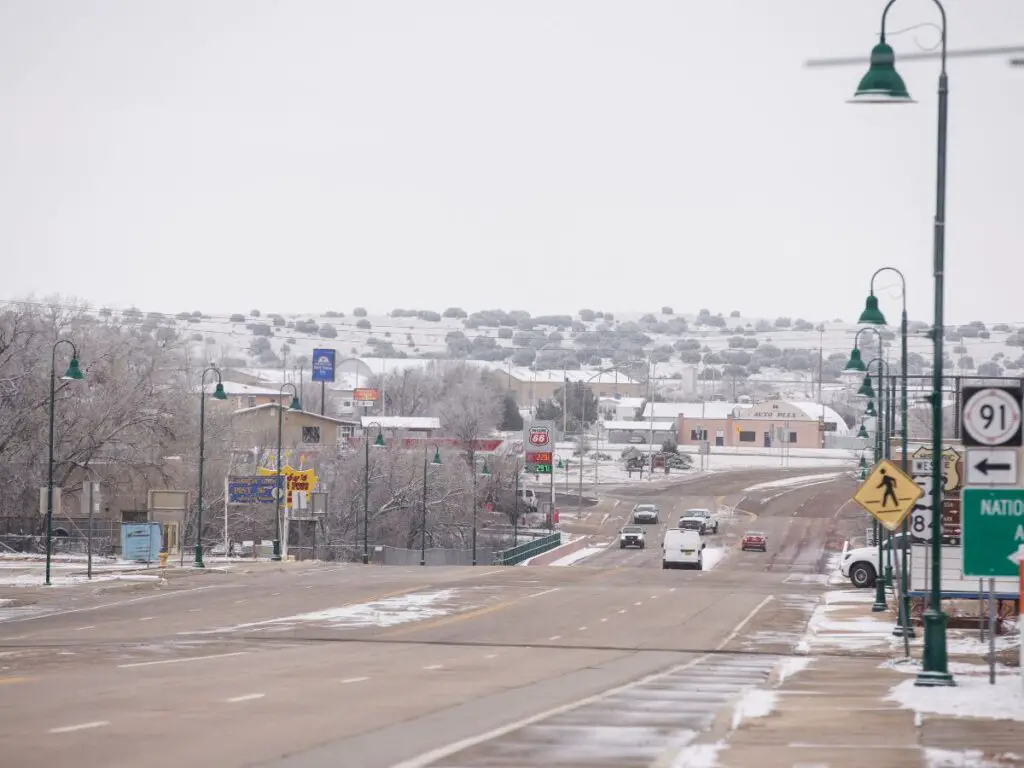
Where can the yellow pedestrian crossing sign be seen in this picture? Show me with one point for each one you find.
(888, 494)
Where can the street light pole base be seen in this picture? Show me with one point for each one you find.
(276, 557)
(934, 661)
(879, 605)
(366, 558)
(199, 558)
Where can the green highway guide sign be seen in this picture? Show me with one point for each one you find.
(993, 529)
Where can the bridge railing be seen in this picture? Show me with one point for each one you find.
(529, 549)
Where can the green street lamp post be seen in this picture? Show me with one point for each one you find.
(281, 489)
(73, 373)
(882, 84)
(218, 394)
(423, 521)
(872, 315)
(486, 473)
(379, 443)
(883, 573)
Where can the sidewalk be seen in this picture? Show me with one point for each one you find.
(848, 699)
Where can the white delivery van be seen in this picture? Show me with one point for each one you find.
(682, 549)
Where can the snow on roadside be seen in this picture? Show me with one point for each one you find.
(713, 556)
(756, 702)
(971, 697)
(834, 624)
(967, 758)
(38, 579)
(579, 554)
(793, 665)
(794, 482)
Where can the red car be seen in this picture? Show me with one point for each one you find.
(754, 540)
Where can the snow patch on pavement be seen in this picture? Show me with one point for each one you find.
(579, 554)
(699, 756)
(387, 612)
(971, 697)
(793, 666)
(755, 703)
(713, 556)
(830, 628)
(968, 758)
(38, 579)
(794, 482)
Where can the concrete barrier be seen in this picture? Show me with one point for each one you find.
(559, 552)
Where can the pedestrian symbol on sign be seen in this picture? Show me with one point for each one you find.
(889, 483)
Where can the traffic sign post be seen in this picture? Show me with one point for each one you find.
(993, 531)
(992, 466)
(992, 416)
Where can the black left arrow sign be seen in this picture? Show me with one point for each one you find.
(985, 466)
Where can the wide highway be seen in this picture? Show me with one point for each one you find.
(611, 661)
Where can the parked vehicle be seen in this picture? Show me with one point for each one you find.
(682, 549)
(860, 565)
(754, 540)
(645, 513)
(632, 536)
(709, 517)
(528, 496)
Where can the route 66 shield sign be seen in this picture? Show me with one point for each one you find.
(539, 437)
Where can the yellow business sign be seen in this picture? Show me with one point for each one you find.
(888, 494)
(297, 479)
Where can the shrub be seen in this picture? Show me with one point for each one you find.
(236, 318)
(734, 313)
(457, 312)
(359, 311)
(666, 310)
(363, 323)
(587, 315)
(254, 313)
(328, 331)
(783, 322)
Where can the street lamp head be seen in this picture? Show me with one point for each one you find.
(882, 84)
(862, 432)
(870, 410)
(437, 456)
(863, 462)
(871, 315)
(74, 371)
(219, 393)
(379, 442)
(866, 390)
(855, 363)
(295, 404)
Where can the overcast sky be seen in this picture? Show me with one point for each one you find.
(548, 155)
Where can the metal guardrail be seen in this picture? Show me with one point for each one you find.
(522, 552)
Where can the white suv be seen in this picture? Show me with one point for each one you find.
(860, 565)
(645, 513)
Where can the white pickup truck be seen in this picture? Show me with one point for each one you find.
(710, 519)
(860, 565)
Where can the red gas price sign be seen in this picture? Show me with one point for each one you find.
(539, 457)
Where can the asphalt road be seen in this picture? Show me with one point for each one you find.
(306, 666)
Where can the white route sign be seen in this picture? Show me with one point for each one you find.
(991, 466)
(992, 417)
(921, 517)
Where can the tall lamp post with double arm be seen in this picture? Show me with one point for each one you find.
(73, 373)
(883, 85)
(218, 394)
(281, 489)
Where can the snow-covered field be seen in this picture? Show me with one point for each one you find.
(38, 579)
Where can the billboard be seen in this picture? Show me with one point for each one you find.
(323, 365)
(303, 480)
(365, 395)
(252, 490)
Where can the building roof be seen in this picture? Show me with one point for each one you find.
(234, 388)
(402, 422)
(254, 409)
(526, 375)
(817, 410)
(622, 402)
(711, 409)
(639, 426)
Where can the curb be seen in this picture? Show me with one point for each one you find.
(559, 552)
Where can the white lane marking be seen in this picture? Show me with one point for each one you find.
(245, 697)
(555, 637)
(147, 618)
(604, 619)
(239, 602)
(491, 656)
(672, 589)
(434, 666)
(545, 592)
(82, 629)
(275, 594)
(80, 726)
(653, 597)
(739, 627)
(638, 603)
(623, 610)
(194, 610)
(582, 629)
(349, 680)
(181, 661)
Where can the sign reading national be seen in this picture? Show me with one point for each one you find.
(993, 530)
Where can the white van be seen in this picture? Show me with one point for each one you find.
(682, 549)
(529, 497)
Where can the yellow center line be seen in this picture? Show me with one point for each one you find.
(15, 680)
(442, 621)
